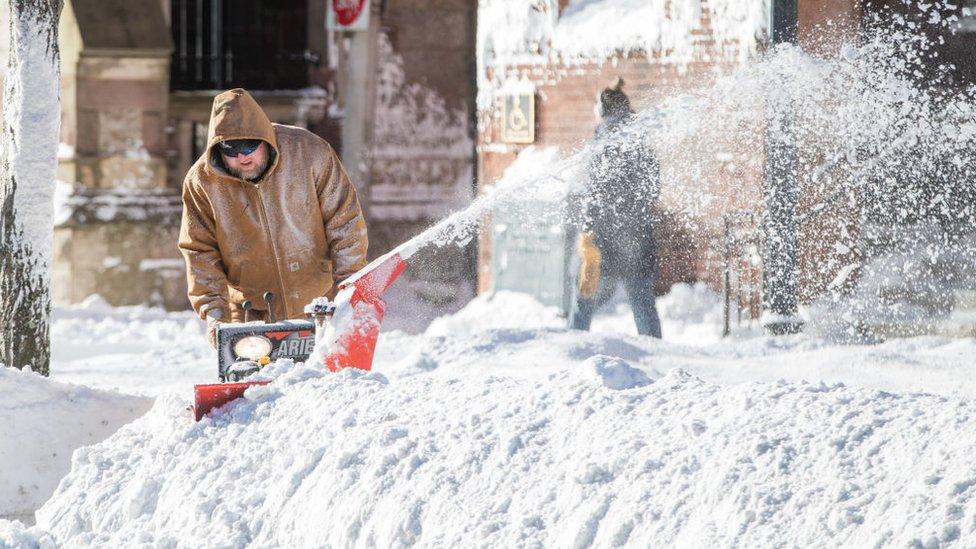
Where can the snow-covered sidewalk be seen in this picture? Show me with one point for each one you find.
(41, 423)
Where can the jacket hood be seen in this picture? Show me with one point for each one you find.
(236, 115)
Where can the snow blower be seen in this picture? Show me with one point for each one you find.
(351, 326)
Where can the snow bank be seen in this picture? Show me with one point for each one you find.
(690, 314)
(611, 372)
(501, 309)
(41, 422)
(510, 333)
(15, 534)
(522, 352)
(352, 459)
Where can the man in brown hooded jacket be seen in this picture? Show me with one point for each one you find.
(267, 207)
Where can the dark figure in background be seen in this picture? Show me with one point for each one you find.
(617, 241)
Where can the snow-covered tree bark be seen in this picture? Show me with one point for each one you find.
(28, 160)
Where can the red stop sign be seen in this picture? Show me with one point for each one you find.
(347, 10)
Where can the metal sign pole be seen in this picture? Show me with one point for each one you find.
(359, 66)
(780, 279)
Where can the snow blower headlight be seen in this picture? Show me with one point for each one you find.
(252, 347)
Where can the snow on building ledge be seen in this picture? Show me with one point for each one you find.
(75, 205)
(556, 32)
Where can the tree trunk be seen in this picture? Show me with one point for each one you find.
(28, 160)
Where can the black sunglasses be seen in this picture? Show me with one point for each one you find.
(234, 147)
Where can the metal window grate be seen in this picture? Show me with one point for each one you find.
(255, 44)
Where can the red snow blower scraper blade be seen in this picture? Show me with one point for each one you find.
(244, 348)
(214, 395)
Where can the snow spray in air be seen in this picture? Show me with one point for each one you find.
(884, 131)
(885, 134)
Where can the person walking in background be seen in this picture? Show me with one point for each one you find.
(616, 242)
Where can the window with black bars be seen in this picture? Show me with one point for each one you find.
(254, 44)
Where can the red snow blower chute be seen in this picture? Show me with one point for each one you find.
(351, 325)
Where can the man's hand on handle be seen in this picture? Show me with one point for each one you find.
(213, 322)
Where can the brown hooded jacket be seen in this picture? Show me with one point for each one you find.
(295, 232)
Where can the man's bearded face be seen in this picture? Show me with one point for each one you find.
(248, 166)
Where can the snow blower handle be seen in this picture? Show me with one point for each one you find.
(268, 300)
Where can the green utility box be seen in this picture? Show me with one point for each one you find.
(531, 253)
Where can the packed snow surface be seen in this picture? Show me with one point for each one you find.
(136, 350)
(498, 426)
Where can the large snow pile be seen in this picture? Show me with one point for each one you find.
(499, 426)
(594, 455)
(41, 423)
(509, 333)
